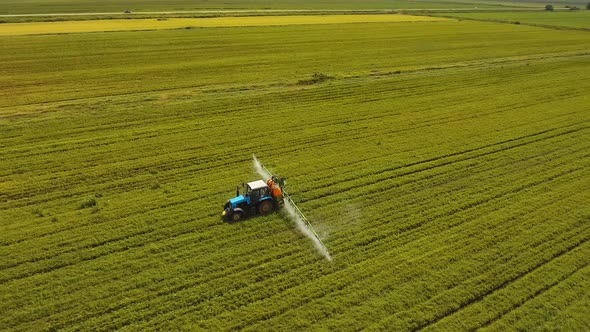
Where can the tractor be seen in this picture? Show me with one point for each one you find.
(259, 198)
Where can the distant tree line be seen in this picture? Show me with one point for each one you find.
(550, 7)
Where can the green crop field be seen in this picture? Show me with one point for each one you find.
(445, 165)
(567, 19)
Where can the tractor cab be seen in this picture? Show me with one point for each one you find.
(256, 191)
(256, 199)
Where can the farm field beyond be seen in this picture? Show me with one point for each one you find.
(33, 28)
(445, 164)
(568, 19)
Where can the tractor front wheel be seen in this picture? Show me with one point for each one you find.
(236, 216)
(265, 207)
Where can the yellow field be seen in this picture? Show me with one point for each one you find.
(11, 29)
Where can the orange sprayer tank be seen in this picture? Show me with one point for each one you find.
(275, 190)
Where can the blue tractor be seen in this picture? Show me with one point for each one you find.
(260, 198)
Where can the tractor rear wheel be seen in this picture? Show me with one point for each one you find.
(265, 207)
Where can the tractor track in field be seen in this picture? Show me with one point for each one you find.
(424, 305)
(265, 259)
(381, 221)
(391, 289)
(176, 289)
(501, 286)
(443, 215)
(384, 226)
(361, 161)
(469, 206)
(388, 290)
(537, 293)
(449, 162)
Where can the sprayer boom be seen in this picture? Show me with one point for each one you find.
(281, 182)
(302, 216)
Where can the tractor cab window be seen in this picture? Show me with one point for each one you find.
(250, 191)
(264, 192)
(254, 195)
